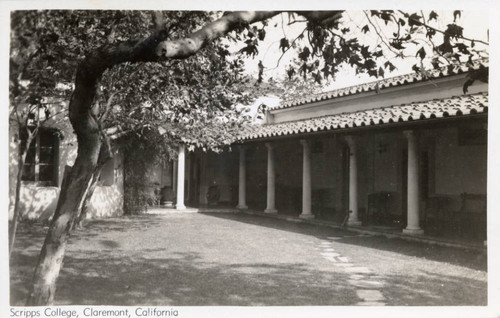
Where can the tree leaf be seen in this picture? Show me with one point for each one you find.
(421, 53)
(433, 16)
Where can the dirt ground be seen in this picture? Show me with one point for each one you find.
(236, 259)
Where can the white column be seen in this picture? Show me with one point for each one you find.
(413, 226)
(353, 181)
(174, 176)
(188, 176)
(242, 181)
(270, 180)
(306, 180)
(180, 178)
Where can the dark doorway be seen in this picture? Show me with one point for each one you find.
(404, 186)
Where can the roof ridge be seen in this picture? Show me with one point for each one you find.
(371, 109)
(477, 103)
(436, 73)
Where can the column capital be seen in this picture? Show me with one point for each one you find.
(351, 140)
(269, 145)
(305, 142)
(410, 134)
(242, 147)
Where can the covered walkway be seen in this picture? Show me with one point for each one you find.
(387, 231)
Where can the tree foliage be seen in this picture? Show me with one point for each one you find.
(171, 72)
(187, 101)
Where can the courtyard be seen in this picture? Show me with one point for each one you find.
(235, 259)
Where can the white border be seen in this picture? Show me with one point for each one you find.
(492, 310)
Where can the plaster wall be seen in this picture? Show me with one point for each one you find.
(39, 202)
(459, 168)
(435, 89)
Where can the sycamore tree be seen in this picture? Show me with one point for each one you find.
(34, 96)
(169, 50)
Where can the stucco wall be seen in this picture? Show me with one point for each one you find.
(39, 202)
(107, 201)
(459, 168)
(435, 89)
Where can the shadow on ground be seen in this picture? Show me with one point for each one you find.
(112, 276)
(184, 280)
(467, 258)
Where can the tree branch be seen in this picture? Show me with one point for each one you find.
(380, 35)
(158, 20)
(108, 107)
(406, 15)
(288, 48)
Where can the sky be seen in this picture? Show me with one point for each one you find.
(474, 22)
(475, 25)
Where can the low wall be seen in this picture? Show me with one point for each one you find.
(39, 203)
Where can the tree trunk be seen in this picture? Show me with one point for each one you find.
(15, 218)
(70, 203)
(105, 155)
(83, 117)
(86, 203)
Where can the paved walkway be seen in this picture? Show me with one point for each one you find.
(238, 259)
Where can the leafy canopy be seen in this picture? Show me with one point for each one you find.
(195, 100)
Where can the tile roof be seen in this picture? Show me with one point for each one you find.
(437, 108)
(385, 83)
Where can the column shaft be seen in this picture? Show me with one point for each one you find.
(270, 180)
(413, 224)
(353, 182)
(242, 181)
(180, 178)
(174, 176)
(306, 180)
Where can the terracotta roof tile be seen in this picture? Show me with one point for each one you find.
(438, 108)
(385, 83)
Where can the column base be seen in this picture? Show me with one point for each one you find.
(413, 231)
(180, 207)
(242, 207)
(354, 222)
(306, 216)
(271, 211)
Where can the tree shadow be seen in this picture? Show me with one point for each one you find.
(429, 289)
(185, 280)
(109, 275)
(467, 258)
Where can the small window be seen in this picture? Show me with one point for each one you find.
(42, 157)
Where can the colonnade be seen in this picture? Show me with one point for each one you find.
(351, 141)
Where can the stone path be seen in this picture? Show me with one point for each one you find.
(368, 288)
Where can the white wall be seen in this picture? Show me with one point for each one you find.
(438, 88)
(107, 201)
(39, 202)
